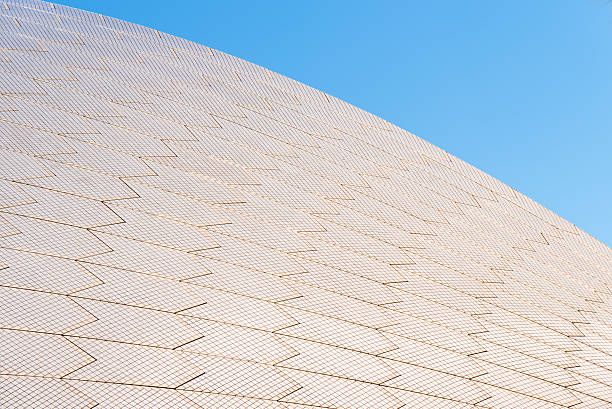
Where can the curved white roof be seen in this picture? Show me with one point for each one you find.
(182, 228)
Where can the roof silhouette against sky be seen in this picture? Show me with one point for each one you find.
(183, 228)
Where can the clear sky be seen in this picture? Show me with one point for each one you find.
(522, 89)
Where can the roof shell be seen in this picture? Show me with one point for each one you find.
(182, 228)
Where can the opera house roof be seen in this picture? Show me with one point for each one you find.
(182, 228)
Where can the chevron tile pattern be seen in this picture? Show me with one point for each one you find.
(182, 228)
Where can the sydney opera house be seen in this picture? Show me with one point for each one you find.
(180, 228)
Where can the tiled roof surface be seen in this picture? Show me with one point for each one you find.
(182, 228)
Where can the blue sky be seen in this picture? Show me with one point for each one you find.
(521, 89)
